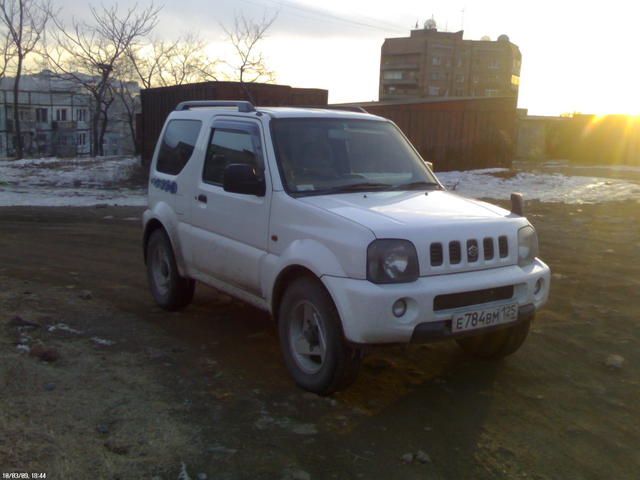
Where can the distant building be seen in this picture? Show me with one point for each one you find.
(430, 63)
(55, 118)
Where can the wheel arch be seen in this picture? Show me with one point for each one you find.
(151, 226)
(156, 222)
(288, 275)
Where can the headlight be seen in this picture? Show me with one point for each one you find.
(527, 245)
(392, 261)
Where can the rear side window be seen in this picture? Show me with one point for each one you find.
(228, 146)
(177, 145)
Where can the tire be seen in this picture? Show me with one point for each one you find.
(170, 290)
(498, 344)
(308, 314)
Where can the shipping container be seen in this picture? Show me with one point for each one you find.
(455, 133)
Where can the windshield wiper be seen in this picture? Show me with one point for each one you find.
(415, 186)
(359, 187)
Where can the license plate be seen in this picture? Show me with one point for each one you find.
(485, 317)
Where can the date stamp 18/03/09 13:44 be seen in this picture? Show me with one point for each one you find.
(21, 475)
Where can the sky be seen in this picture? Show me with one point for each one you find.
(577, 56)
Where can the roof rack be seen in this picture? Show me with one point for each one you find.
(346, 108)
(243, 105)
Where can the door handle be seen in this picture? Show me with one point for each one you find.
(202, 198)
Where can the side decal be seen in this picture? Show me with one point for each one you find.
(169, 186)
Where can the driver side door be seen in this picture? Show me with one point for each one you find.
(230, 230)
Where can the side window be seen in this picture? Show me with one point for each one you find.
(177, 145)
(228, 146)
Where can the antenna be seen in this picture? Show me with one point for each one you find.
(462, 18)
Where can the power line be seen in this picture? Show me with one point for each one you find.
(314, 13)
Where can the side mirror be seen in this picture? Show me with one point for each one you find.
(243, 178)
(430, 165)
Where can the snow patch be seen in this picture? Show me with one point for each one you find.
(498, 184)
(102, 341)
(62, 327)
(70, 182)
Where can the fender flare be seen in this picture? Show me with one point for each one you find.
(163, 216)
(301, 256)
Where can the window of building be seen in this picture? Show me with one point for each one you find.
(491, 92)
(435, 75)
(494, 63)
(81, 114)
(476, 79)
(459, 92)
(434, 91)
(177, 145)
(460, 78)
(61, 115)
(42, 115)
(460, 62)
(81, 139)
(392, 75)
(436, 60)
(25, 115)
(228, 146)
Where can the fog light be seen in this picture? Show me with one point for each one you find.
(399, 308)
(538, 287)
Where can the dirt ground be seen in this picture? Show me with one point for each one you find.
(133, 392)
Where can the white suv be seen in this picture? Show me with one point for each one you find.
(332, 222)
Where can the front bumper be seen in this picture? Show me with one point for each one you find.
(366, 308)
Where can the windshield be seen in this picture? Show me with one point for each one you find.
(317, 156)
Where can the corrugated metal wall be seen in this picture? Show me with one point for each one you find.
(157, 103)
(456, 134)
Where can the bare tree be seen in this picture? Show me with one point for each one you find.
(88, 54)
(7, 50)
(148, 61)
(25, 21)
(249, 64)
(125, 89)
(188, 62)
(160, 63)
(130, 102)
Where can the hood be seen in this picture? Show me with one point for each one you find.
(387, 212)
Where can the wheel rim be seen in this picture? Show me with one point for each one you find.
(307, 337)
(161, 270)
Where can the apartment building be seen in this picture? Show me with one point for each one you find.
(55, 119)
(430, 63)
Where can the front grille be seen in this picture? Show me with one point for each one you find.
(435, 253)
(468, 251)
(487, 243)
(475, 297)
(503, 246)
(472, 251)
(455, 255)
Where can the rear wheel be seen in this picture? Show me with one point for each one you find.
(497, 344)
(311, 338)
(170, 290)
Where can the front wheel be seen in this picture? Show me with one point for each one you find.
(497, 344)
(170, 290)
(312, 342)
